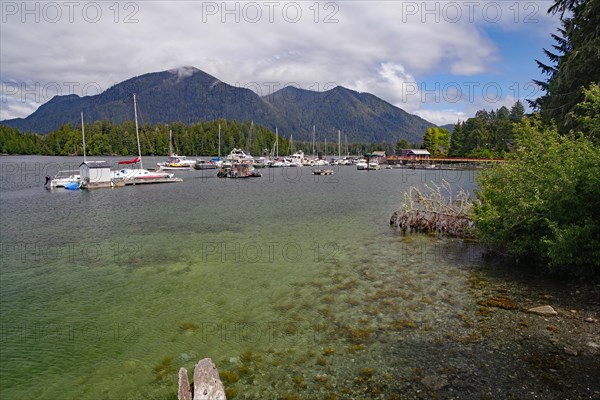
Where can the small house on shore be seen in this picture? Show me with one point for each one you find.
(416, 154)
(379, 156)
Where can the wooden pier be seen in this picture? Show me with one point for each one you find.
(394, 160)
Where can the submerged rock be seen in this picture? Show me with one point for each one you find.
(207, 384)
(500, 302)
(435, 382)
(570, 351)
(543, 310)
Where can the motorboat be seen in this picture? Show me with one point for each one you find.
(63, 178)
(239, 170)
(323, 172)
(297, 159)
(240, 156)
(262, 162)
(361, 164)
(367, 165)
(203, 164)
(175, 163)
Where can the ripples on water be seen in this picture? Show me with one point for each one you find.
(294, 285)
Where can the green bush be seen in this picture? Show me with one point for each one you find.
(544, 203)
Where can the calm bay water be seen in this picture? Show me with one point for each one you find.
(294, 285)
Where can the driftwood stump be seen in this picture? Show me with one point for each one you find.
(436, 212)
(207, 384)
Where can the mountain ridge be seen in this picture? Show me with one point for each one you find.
(187, 95)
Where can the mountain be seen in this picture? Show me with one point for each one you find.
(363, 117)
(188, 95)
(182, 95)
(448, 127)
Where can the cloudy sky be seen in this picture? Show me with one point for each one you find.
(440, 60)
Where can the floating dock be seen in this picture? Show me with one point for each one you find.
(126, 182)
(143, 181)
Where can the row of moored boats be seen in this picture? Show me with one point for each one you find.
(239, 156)
(238, 164)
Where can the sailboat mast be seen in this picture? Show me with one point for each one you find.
(83, 136)
(277, 141)
(346, 139)
(219, 141)
(313, 142)
(171, 153)
(339, 145)
(250, 137)
(137, 134)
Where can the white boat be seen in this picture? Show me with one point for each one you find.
(240, 156)
(370, 165)
(262, 162)
(297, 159)
(137, 173)
(176, 162)
(278, 164)
(63, 178)
(239, 170)
(320, 163)
(66, 177)
(130, 175)
(361, 164)
(374, 165)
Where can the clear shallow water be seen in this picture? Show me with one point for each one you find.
(293, 284)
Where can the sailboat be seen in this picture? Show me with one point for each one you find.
(175, 162)
(347, 160)
(316, 161)
(297, 158)
(130, 175)
(214, 162)
(339, 157)
(322, 162)
(276, 162)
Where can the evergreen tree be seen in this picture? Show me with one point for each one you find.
(586, 114)
(457, 141)
(517, 112)
(429, 141)
(436, 141)
(574, 65)
(402, 144)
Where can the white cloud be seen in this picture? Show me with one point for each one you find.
(375, 47)
(13, 109)
(442, 117)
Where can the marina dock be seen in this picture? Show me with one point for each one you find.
(127, 182)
